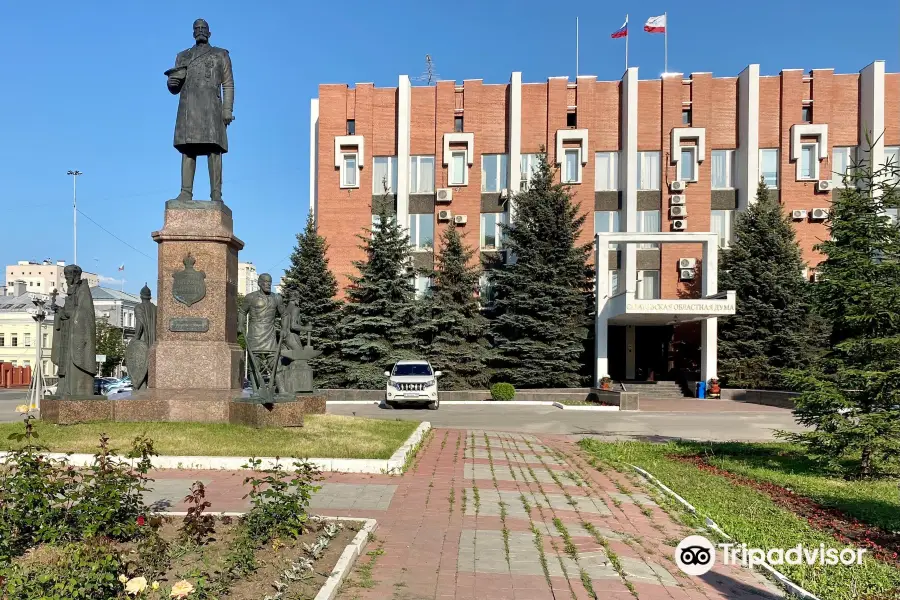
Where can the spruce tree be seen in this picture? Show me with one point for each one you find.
(452, 326)
(378, 318)
(311, 283)
(852, 404)
(538, 322)
(773, 326)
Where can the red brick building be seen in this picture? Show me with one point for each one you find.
(678, 155)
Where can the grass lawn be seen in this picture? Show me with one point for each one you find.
(753, 518)
(322, 436)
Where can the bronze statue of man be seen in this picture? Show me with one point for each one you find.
(74, 350)
(256, 320)
(202, 76)
(137, 354)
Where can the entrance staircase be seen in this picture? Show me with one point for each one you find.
(663, 390)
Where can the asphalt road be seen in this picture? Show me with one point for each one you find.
(9, 400)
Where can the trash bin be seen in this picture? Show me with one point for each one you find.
(701, 390)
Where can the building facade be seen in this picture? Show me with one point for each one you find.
(42, 277)
(116, 307)
(679, 154)
(19, 334)
(247, 278)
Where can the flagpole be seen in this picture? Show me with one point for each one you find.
(626, 43)
(666, 42)
(576, 48)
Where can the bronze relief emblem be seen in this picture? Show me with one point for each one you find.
(190, 285)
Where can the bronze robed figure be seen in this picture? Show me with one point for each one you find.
(74, 349)
(137, 353)
(202, 76)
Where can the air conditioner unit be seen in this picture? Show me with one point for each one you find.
(677, 186)
(819, 214)
(677, 200)
(687, 263)
(798, 215)
(817, 276)
(504, 194)
(444, 194)
(679, 224)
(805, 273)
(459, 219)
(678, 211)
(824, 185)
(686, 274)
(444, 215)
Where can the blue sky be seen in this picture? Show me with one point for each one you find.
(84, 89)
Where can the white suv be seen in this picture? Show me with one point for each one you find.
(412, 381)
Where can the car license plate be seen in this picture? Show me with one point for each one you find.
(412, 394)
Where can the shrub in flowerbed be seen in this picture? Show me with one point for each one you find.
(68, 533)
(503, 392)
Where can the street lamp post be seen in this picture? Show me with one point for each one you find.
(37, 387)
(74, 175)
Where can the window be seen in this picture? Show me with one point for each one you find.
(43, 340)
(613, 283)
(459, 174)
(806, 113)
(648, 222)
(892, 161)
(686, 170)
(607, 171)
(376, 223)
(893, 215)
(26, 363)
(841, 161)
(494, 172)
(486, 294)
(412, 370)
(349, 174)
(15, 340)
(2, 340)
(458, 124)
(528, 166)
(421, 174)
(686, 117)
(421, 232)
(809, 161)
(572, 166)
(351, 126)
(27, 340)
(723, 169)
(647, 285)
(768, 166)
(384, 175)
(648, 170)
(422, 285)
(606, 221)
(721, 222)
(572, 119)
(491, 230)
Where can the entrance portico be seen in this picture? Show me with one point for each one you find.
(625, 308)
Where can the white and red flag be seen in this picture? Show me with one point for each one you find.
(655, 24)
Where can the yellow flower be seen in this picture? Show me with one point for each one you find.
(154, 585)
(123, 579)
(181, 589)
(22, 408)
(136, 586)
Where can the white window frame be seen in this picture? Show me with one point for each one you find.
(608, 182)
(26, 340)
(376, 223)
(814, 176)
(421, 290)
(892, 152)
(727, 236)
(642, 157)
(378, 185)
(416, 244)
(502, 218)
(692, 164)
(777, 167)
(528, 164)
(565, 177)
(499, 175)
(640, 228)
(415, 166)
(613, 281)
(345, 170)
(639, 288)
(837, 177)
(613, 223)
(729, 170)
(453, 181)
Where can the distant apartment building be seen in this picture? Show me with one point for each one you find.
(19, 335)
(679, 155)
(42, 277)
(247, 278)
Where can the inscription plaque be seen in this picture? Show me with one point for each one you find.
(189, 324)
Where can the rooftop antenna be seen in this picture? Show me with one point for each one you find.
(429, 76)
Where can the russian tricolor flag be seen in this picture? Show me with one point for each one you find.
(655, 24)
(621, 31)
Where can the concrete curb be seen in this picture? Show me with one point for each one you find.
(494, 403)
(586, 407)
(346, 561)
(393, 465)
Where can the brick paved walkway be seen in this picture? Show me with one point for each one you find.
(501, 516)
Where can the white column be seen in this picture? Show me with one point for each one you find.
(403, 126)
(314, 159)
(746, 160)
(871, 113)
(628, 176)
(630, 350)
(601, 322)
(515, 137)
(709, 328)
